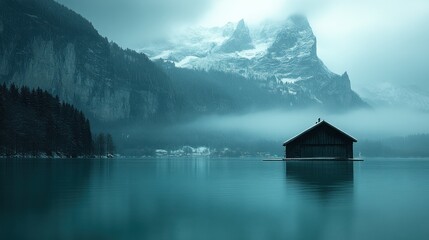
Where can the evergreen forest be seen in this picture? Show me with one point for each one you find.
(34, 123)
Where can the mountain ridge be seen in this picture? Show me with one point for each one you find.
(284, 60)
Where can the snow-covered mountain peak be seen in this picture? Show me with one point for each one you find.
(241, 25)
(228, 29)
(240, 39)
(283, 56)
(297, 21)
(295, 39)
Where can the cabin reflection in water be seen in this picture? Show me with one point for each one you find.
(326, 190)
(324, 177)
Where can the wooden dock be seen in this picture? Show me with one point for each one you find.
(274, 160)
(313, 159)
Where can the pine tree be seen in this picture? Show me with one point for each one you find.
(110, 146)
(2, 122)
(88, 147)
(100, 145)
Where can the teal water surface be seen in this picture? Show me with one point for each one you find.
(203, 198)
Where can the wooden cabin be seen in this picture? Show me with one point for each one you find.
(322, 140)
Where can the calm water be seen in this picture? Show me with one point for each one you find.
(200, 199)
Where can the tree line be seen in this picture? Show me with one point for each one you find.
(33, 122)
(103, 145)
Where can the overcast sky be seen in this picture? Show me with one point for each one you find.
(374, 40)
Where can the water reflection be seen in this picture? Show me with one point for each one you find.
(322, 177)
(325, 188)
(33, 189)
(184, 167)
(244, 198)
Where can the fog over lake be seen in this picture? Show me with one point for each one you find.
(278, 124)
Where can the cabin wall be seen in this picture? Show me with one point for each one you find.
(350, 150)
(324, 151)
(293, 151)
(323, 135)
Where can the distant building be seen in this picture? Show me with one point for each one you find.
(320, 141)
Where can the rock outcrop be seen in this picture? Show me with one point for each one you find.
(239, 41)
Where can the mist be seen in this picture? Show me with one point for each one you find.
(282, 125)
(132, 23)
(264, 132)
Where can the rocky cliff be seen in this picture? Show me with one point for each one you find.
(43, 44)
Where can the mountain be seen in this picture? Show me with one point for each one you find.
(225, 69)
(281, 57)
(385, 94)
(216, 92)
(44, 44)
(239, 41)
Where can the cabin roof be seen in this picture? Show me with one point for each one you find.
(323, 122)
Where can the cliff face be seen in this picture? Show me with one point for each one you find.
(43, 44)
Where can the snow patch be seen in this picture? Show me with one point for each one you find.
(259, 50)
(186, 62)
(289, 80)
(163, 55)
(292, 92)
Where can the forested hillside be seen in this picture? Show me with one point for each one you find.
(33, 122)
(44, 44)
(215, 92)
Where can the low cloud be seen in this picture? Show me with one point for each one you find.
(281, 125)
(131, 23)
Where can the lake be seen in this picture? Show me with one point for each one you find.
(213, 198)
